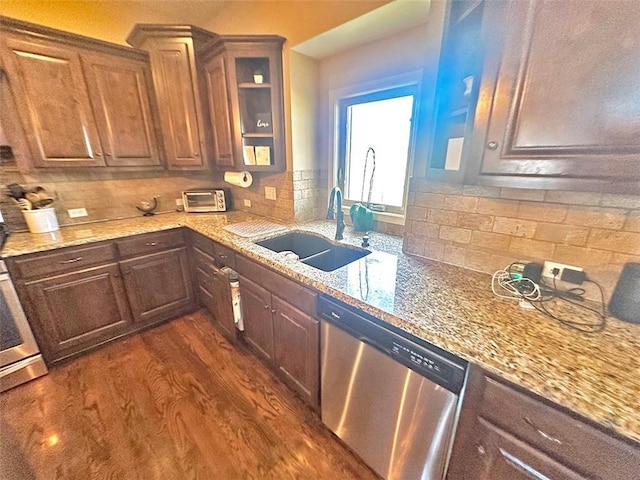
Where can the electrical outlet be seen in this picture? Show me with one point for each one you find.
(247, 202)
(547, 269)
(77, 212)
(270, 193)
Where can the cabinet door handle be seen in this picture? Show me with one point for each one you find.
(492, 145)
(73, 260)
(196, 154)
(542, 433)
(266, 307)
(518, 464)
(273, 310)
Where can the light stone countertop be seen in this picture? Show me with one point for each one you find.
(595, 375)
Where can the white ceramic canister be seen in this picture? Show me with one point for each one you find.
(41, 220)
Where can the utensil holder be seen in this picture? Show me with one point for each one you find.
(41, 220)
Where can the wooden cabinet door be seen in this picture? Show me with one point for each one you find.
(70, 313)
(53, 103)
(223, 309)
(219, 110)
(497, 455)
(120, 91)
(158, 285)
(296, 340)
(258, 319)
(176, 82)
(563, 102)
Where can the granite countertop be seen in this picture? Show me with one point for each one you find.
(595, 375)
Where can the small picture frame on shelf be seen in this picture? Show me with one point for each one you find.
(258, 76)
(263, 155)
(249, 155)
(263, 122)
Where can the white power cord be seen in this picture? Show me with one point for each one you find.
(502, 281)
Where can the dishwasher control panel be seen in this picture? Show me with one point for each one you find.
(416, 358)
(416, 354)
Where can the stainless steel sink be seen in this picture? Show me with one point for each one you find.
(314, 250)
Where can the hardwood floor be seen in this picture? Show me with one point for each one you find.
(175, 402)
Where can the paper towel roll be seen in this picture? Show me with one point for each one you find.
(240, 179)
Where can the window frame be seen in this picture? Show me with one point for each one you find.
(386, 88)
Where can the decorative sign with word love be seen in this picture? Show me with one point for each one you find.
(263, 122)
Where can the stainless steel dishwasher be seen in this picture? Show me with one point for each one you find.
(392, 398)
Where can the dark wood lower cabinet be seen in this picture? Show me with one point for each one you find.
(296, 347)
(78, 310)
(258, 319)
(158, 285)
(506, 433)
(497, 455)
(280, 328)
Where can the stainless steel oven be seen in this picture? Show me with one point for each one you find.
(20, 358)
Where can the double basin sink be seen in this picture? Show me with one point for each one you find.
(314, 250)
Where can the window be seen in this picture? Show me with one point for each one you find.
(382, 120)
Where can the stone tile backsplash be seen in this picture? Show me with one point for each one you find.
(487, 228)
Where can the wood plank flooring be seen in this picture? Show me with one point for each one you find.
(175, 402)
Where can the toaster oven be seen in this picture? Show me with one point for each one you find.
(215, 200)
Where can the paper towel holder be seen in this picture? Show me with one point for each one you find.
(242, 179)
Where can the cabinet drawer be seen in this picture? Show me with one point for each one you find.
(561, 436)
(225, 256)
(202, 258)
(206, 279)
(203, 243)
(64, 260)
(505, 457)
(149, 243)
(286, 289)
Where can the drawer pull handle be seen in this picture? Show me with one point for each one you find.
(266, 307)
(152, 244)
(73, 260)
(273, 310)
(335, 315)
(518, 464)
(222, 256)
(542, 433)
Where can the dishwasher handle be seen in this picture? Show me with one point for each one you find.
(376, 345)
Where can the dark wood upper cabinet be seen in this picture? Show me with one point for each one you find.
(53, 102)
(559, 105)
(456, 90)
(220, 111)
(81, 102)
(245, 102)
(539, 94)
(120, 90)
(179, 89)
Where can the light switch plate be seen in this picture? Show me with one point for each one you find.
(77, 212)
(270, 193)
